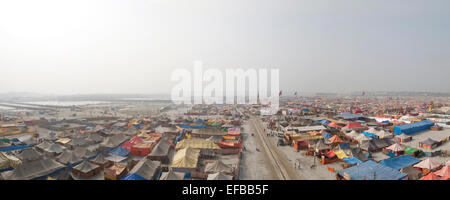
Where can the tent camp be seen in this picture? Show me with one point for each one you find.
(186, 158)
(171, 175)
(34, 169)
(396, 148)
(219, 176)
(147, 169)
(371, 170)
(399, 162)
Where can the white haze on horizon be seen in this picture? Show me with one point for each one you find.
(132, 46)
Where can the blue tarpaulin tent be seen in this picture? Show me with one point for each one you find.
(326, 136)
(189, 126)
(351, 160)
(133, 177)
(371, 135)
(324, 122)
(409, 129)
(399, 162)
(371, 170)
(120, 152)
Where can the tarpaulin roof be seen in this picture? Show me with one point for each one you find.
(351, 160)
(396, 147)
(413, 128)
(161, 149)
(324, 122)
(334, 125)
(86, 167)
(218, 166)
(133, 177)
(340, 154)
(349, 116)
(120, 152)
(326, 136)
(371, 170)
(171, 175)
(428, 164)
(429, 141)
(444, 172)
(147, 169)
(399, 162)
(353, 125)
(68, 157)
(196, 144)
(186, 158)
(29, 154)
(336, 139)
(371, 135)
(430, 177)
(219, 176)
(33, 169)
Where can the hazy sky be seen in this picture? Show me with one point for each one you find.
(126, 46)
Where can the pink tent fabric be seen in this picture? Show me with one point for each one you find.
(444, 172)
(428, 164)
(430, 177)
(396, 147)
(447, 163)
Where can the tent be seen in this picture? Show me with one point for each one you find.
(352, 134)
(160, 152)
(371, 130)
(444, 172)
(340, 154)
(428, 164)
(430, 177)
(8, 161)
(353, 125)
(320, 145)
(326, 136)
(171, 175)
(186, 158)
(447, 163)
(334, 125)
(196, 144)
(219, 176)
(336, 139)
(120, 152)
(99, 160)
(218, 166)
(55, 148)
(413, 173)
(370, 135)
(34, 169)
(128, 144)
(29, 155)
(413, 128)
(147, 169)
(428, 143)
(68, 157)
(43, 145)
(396, 148)
(352, 160)
(96, 138)
(384, 134)
(133, 177)
(371, 170)
(403, 138)
(86, 167)
(362, 137)
(399, 162)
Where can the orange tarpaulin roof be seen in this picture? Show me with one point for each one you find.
(336, 139)
(353, 125)
(430, 176)
(334, 125)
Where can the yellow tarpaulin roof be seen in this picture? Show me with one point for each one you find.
(196, 144)
(186, 158)
(63, 140)
(340, 154)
